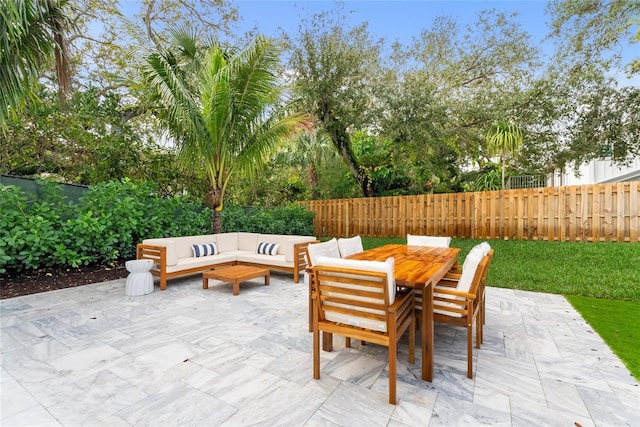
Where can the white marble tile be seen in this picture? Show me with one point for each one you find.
(605, 408)
(571, 371)
(78, 364)
(36, 416)
(512, 377)
(294, 365)
(490, 398)
(449, 412)
(14, 399)
(187, 356)
(180, 406)
(365, 407)
(529, 414)
(283, 403)
(564, 396)
(355, 368)
(239, 385)
(104, 397)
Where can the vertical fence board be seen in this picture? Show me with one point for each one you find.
(634, 207)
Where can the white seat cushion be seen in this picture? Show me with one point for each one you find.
(350, 246)
(380, 266)
(436, 241)
(324, 249)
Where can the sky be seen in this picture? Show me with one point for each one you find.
(401, 20)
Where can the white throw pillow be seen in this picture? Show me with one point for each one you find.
(204, 250)
(266, 248)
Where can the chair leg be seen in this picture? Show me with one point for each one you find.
(310, 308)
(412, 340)
(347, 342)
(392, 371)
(316, 354)
(469, 349)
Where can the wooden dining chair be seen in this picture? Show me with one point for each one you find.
(436, 241)
(313, 252)
(461, 305)
(453, 276)
(358, 299)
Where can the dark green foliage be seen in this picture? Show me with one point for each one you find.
(105, 225)
(290, 220)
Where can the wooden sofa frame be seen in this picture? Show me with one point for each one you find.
(159, 255)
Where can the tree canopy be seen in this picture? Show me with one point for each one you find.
(398, 118)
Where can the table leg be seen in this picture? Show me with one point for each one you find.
(236, 287)
(327, 341)
(427, 332)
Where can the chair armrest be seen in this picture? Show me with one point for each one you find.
(404, 300)
(152, 252)
(455, 293)
(299, 254)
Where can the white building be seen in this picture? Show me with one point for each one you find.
(597, 172)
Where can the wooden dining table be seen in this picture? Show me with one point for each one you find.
(418, 267)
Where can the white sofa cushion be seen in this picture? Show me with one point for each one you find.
(252, 257)
(203, 261)
(180, 247)
(350, 246)
(227, 242)
(328, 249)
(247, 241)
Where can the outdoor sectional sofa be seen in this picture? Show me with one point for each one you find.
(176, 256)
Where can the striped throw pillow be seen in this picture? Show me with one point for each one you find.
(204, 250)
(268, 248)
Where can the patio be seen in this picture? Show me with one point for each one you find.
(190, 357)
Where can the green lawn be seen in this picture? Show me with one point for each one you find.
(617, 322)
(601, 280)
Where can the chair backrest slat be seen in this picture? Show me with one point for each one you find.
(351, 296)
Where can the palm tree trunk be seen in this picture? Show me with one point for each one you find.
(313, 178)
(215, 198)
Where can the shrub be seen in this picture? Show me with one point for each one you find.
(111, 218)
(105, 225)
(291, 219)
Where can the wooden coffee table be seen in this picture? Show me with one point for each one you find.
(235, 274)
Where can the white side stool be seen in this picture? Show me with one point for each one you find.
(139, 280)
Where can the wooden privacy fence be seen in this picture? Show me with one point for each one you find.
(599, 212)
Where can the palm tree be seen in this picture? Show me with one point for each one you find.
(504, 139)
(309, 150)
(222, 108)
(31, 33)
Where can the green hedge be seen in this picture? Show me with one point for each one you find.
(292, 219)
(104, 226)
(111, 218)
